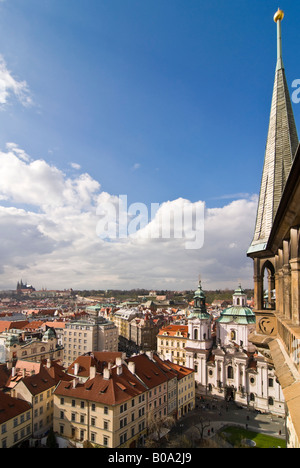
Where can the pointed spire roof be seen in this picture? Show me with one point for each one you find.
(282, 143)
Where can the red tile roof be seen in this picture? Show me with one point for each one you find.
(171, 330)
(98, 359)
(40, 382)
(115, 390)
(148, 371)
(8, 325)
(11, 407)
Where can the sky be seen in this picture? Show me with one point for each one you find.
(114, 110)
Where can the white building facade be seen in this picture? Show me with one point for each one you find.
(230, 367)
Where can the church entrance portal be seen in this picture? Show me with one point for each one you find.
(230, 394)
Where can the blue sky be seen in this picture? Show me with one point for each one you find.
(158, 100)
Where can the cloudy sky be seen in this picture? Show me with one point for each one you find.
(121, 118)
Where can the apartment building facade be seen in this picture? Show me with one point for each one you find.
(108, 410)
(35, 349)
(82, 336)
(171, 343)
(15, 421)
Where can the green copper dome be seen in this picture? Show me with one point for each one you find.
(199, 309)
(237, 314)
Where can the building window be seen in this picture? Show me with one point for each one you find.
(230, 372)
(271, 383)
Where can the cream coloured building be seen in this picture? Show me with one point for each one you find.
(122, 319)
(15, 421)
(171, 343)
(108, 410)
(83, 336)
(14, 347)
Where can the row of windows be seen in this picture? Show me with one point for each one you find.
(123, 407)
(35, 351)
(230, 375)
(17, 436)
(17, 421)
(185, 398)
(178, 343)
(104, 439)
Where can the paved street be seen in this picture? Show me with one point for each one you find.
(214, 414)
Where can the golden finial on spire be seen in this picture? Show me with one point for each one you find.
(278, 15)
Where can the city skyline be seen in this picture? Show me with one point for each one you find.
(163, 104)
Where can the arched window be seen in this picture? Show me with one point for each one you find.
(268, 285)
(252, 397)
(271, 401)
(196, 334)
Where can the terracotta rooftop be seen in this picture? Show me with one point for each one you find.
(112, 391)
(172, 330)
(98, 359)
(11, 407)
(8, 325)
(40, 382)
(148, 371)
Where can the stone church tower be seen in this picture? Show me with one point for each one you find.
(200, 339)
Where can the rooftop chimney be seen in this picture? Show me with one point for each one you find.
(131, 367)
(118, 361)
(92, 372)
(75, 382)
(76, 368)
(106, 373)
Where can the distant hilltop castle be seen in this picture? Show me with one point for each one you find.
(24, 288)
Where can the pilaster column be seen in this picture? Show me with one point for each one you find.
(258, 292)
(279, 292)
(287, 291)
(295, 290)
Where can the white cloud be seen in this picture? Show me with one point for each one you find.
(48, 230)
(75, 166)
(11, 86)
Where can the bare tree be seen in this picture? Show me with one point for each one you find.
(201, 425)
(158, 428)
